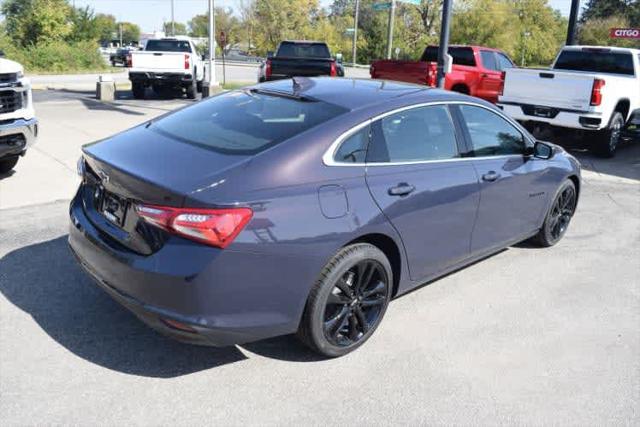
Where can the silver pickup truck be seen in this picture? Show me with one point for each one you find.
(18, 125)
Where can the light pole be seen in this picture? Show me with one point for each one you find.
(211, 85)
(525, 34)
(443, 49)
(355, 33)
(173, 21)
(573, 18)
(392, 12)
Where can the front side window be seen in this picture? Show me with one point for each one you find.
(491, 135)
(418, 134)
(489, 60)
(504, 63)
(354, 148)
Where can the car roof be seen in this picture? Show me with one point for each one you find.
(353, 93)
(603, 48)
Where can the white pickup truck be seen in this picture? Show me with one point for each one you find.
(170, 62)
(18, 124)
(595, 90)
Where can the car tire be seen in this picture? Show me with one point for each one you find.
(199, 86)
(138, 90)
(558, 218)
(348, 301)
(192, 90)
(7, 164)
(607, 140)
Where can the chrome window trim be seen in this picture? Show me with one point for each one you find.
(328, 157)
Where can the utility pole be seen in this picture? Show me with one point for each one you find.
(173, 21)
(443, 49)
(211, 85)
(120, 28)
(573, 19)
(355, 33)
(392, 12)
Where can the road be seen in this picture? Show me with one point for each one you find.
(528, 336)
(243, 73)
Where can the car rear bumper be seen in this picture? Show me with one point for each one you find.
(223, 297)
(16, 136)
(160, 77)
(559, 118)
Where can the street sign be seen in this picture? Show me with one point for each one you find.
(350, 30)
(382, 6)
(416, 2)
(625, 33)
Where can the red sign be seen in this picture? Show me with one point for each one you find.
(625, 33)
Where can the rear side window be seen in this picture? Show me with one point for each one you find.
(243, 122)
(418, 134)
(595, 61)
(168, 46)
(303, 50)
(354, 148)
(461, 55)
(491, 135)
(488, 60)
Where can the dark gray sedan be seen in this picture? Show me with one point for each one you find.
(304, 206)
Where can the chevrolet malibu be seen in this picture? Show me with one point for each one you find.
(305, 205)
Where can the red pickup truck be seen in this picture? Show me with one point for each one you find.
(476, 70)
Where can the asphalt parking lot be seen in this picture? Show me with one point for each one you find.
(528, 336)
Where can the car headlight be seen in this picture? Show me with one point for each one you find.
(20, 74)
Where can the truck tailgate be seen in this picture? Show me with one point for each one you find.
(160, 61)
(559, 89)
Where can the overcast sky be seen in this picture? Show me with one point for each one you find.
(150, 14)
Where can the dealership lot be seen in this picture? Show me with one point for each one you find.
(529, 334)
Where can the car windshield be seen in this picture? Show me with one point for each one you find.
(245, 122)
(595, 61)
(303, 50)
(168, 46)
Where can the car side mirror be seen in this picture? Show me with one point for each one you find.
(542, 150)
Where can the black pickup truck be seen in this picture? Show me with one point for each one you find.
(300, 58)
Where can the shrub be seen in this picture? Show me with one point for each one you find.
(55, 56)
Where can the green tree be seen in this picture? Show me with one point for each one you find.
(180, 28)
(84, 28)
(601, 9)
(226, 22)
(105, 26)
(34, 21)
(130, 32)
(540, 32)
(597, 32)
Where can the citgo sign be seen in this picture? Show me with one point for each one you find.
(625, 33)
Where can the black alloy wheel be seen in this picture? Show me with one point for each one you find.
(559, 216)
(348, 301)
(355, 303)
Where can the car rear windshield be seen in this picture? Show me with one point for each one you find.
(595, 61)
(244, 122)
(168, 46)
(303, 50)
(461, 55)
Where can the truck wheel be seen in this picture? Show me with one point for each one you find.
(607, 140)
(192, 90)
(199, 86)
(7, 164)
(138, 90)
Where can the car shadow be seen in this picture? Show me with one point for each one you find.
(7, 174)
(44, 281)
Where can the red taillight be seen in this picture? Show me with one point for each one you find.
(187, 65)
(503, 75)
(267, 68)
(215, 227)
(596, 92)
(334, 69)
(129, 61)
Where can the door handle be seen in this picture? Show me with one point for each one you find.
(490, 176)
(401, 189)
